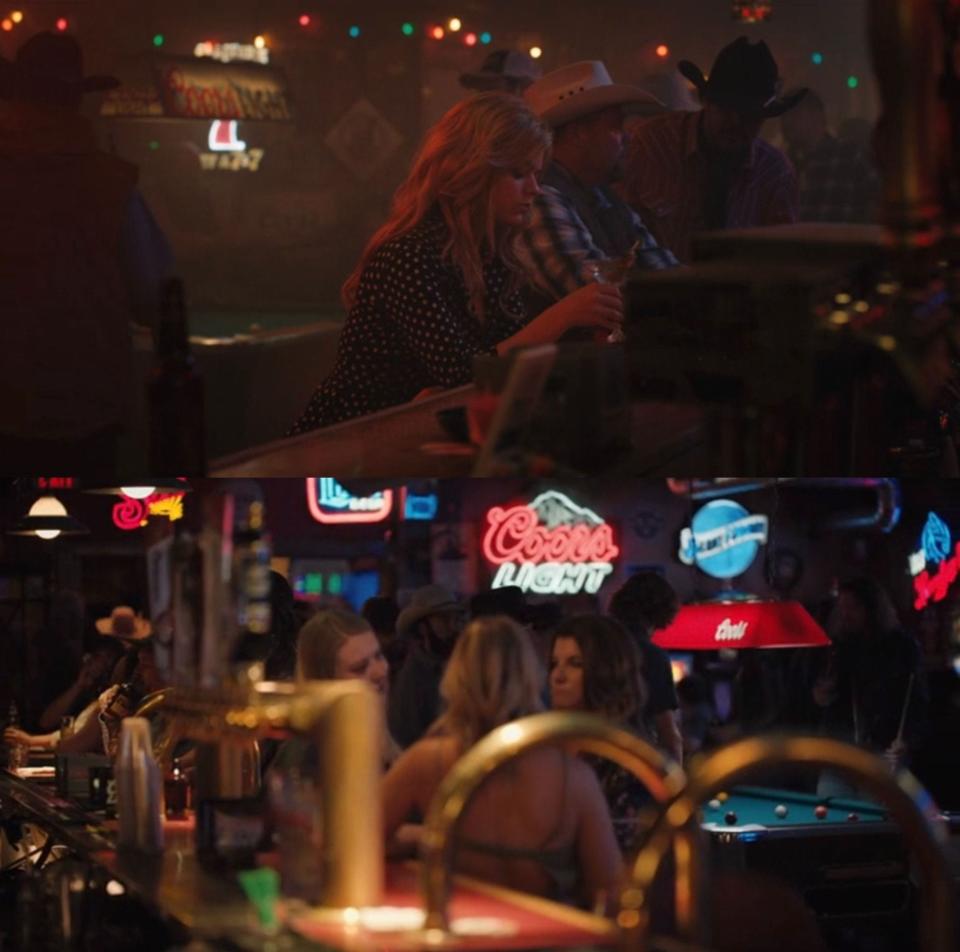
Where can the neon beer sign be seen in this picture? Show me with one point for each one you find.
(131, 513)
(935, 550)
(551, 546)
(723, 539)
(330, 503)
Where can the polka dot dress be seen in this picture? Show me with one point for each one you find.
(411, 328)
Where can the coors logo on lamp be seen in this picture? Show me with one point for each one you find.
(551, 546)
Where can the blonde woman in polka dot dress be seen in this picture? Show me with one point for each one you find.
(440, 282)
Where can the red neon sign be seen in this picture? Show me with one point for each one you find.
(516, 534)
(130, 513)
(55, 482)
(934, 588)
(550, 547)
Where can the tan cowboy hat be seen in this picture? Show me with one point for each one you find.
(429, 600)
(122, 623)
(582, 88)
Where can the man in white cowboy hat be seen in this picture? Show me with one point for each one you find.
(81, 258)
(510, 71)
(696, 171)
(577, 221)
(432, 622)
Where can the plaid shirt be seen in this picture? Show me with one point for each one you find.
(573, 226)
(837, 183)
(667, 173)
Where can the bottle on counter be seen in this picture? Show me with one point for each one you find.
(175, 394)
(176, 792)
(250, 575)
(139, 789)
(17, 754)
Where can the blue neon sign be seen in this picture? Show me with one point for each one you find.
(723, 539)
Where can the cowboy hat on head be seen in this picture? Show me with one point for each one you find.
(429, 600)
(49, 66)
(122, 623)
(745, 78)
(584, 88)
(503, 69)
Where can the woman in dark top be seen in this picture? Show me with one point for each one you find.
(595, 666)
(440, 283)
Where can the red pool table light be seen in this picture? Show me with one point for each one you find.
(709, 626)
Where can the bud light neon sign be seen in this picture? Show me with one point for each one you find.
(551, 546)
(330, 503)
(935, 549)
(723, 539)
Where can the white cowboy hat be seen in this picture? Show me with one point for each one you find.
(122, 623)
(582, 88)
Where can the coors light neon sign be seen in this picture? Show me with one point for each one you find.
(551, 546)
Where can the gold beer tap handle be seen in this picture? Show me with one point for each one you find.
(345, 719)
(575, 731)
(907, 802)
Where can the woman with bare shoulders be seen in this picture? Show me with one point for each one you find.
(540, 823)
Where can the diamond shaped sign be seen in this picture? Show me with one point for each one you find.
(362, 139)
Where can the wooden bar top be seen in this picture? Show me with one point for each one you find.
(409, 441)
(208, 901)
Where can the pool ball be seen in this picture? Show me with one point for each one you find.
(714, 804)
(780, 810)
(820, 812)
(730, 818)
(723, 797)
(853, 817)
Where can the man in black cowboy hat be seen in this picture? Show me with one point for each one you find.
(80, 258)
(696, 171)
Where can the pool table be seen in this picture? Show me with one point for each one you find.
(845, 869)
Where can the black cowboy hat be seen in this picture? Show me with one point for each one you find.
(744, 77)
(51, 65)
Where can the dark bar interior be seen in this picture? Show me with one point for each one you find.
(498, 713)
(779, 293)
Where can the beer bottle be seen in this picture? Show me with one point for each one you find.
(175, 394)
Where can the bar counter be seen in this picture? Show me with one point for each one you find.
(208, 902)
(408, 440)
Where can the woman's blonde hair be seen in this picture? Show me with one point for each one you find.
(454, 171)
(321, 639)
(493, 677)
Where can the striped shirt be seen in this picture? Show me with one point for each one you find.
(666, 175)
(573, 226)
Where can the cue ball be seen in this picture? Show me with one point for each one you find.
(714, 804)
(780, 810)
(820, 812)
(853, 817)
(730, 818)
